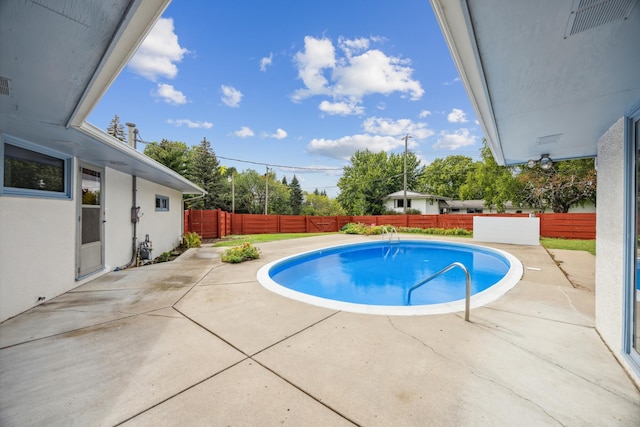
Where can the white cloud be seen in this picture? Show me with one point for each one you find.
(190, 124)
(340, 108)
(280, 134)
(345, 147)
(244, 132)
(231, 96)
(454, 81)
(159, 52)
(351, 46)
(457, 116)
(397, 128)
(351, 76)
(424, 113)
(170, 95)
(266, 62)
(455, 140)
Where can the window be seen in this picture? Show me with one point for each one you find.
(31, 170)
(162, 203)
(400, 203)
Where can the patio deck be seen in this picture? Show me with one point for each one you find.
(199, 342)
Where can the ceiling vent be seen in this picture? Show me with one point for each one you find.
(5, 89)
(588, 14)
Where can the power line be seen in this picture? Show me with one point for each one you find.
(279, 166)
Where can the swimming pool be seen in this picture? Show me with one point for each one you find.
(374, 277)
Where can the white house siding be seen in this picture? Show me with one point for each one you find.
(118, 229)
(37, 251)
(38, 238)
(163, 227)
(609, 236)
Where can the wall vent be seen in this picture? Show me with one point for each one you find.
(5, 88)
(588, 14)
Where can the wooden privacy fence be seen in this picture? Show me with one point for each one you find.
(216, 223)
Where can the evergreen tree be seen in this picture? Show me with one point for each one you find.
(173, 154)
(116, 129)
(296, 197)
(205, 172)
(284, 181)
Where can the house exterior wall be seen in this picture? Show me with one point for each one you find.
(37, 251)
(609, 237)
(38, 244)
(420, 204)
(163, 227)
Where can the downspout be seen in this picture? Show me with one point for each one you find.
(133, 134)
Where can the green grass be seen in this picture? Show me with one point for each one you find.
(570, 244)
(235, 240)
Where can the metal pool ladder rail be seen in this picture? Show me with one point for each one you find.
(467, 301)
(390, 233)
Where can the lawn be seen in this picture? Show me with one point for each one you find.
(236, 240)
(547, 242)
(570, 244)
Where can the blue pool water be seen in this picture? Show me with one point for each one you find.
(379, 274)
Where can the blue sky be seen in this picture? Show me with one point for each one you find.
(298, 84)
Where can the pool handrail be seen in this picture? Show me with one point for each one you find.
(390, 233)
(467, 301)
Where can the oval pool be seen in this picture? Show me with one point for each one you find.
(374, 277)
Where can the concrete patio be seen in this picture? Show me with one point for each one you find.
(199, 342)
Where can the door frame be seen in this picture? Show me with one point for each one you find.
(79, 272)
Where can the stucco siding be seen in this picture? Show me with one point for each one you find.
(118, 230)
(163, 227)
(37, 251)
(609, 236)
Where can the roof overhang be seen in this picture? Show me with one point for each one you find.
(58, 60)
(544, 77)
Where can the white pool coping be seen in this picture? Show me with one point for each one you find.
(511, 278)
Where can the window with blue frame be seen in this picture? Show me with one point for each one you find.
(34, 171)
(162, 203)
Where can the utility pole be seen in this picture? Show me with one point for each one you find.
(406, 140)
(266, 191)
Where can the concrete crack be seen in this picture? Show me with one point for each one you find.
(472, 372)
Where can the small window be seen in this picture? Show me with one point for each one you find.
(162, 203)
(31, 170)
(400, 203)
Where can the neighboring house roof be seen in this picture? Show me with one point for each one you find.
(56, 62)
(532, 70)
(414, 196)
(466, 204)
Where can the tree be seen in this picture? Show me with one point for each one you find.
(444, 177)
(116, 129)
(250, 190)
(495, 184)
(295, 195)
(372, 176)
(173, 154)
(204, 171)
(567, 183)
(321, 205)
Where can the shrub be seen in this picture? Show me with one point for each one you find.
(192, 240)
(362, 229)
(240, 253)
(164, 257)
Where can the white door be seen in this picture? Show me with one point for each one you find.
(90, 220)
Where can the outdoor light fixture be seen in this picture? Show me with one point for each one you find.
(545, 162)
